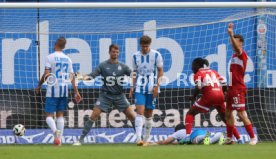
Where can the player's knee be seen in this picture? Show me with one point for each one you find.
(131, 117)
(140, 110)
(148, 113)
(242, 115)
(59, 114)
(228, 115)
(229, 119)
(95, 116)
(130, 114)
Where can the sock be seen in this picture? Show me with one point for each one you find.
(60, 124)
(249, 130)
(139, 126)
(148, 126)
(199, 139)
(87, 126)
(229, 130)
(236, 133)
(189, 120)
(215, 138)
(51, 123)
(133, 125)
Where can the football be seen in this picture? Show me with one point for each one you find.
(19, 130)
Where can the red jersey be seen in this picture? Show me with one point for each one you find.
(208, 80)
(237, 70)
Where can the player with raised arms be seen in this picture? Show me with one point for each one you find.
(113, 73)
(197, 136)
(237, 89)
(148, 66)
(212, 86)
(58, 73)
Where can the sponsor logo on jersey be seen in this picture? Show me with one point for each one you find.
(119, 68)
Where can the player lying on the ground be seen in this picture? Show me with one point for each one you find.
(197, 137)
(209, 83)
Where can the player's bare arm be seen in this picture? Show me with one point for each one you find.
(83, 77)
(89, 76)
(236, 47)
(169, 140)
(42, 80)
(223, 84)
(159, 77)
(195, 93)
(133, 82)
(76, 91)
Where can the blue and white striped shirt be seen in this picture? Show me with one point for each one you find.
(60, 66)
(146, 66)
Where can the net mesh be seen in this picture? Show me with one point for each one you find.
(179, 34)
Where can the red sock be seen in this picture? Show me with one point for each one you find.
(249, 130)
(189, 120)
(229, 130)
(236, 133)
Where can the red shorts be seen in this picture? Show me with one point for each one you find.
(236, 99)
(204, 103)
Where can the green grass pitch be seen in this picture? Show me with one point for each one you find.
(131, 151)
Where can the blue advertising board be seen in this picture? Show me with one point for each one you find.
(99, 135)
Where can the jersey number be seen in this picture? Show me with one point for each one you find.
(236, 100)
(210, 81)
(61, 70)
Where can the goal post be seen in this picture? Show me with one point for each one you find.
(179, 31)
(128, 5)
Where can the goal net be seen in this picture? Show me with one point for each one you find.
(179, 34)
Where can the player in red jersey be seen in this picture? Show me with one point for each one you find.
(210, 83)
(237, 90)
